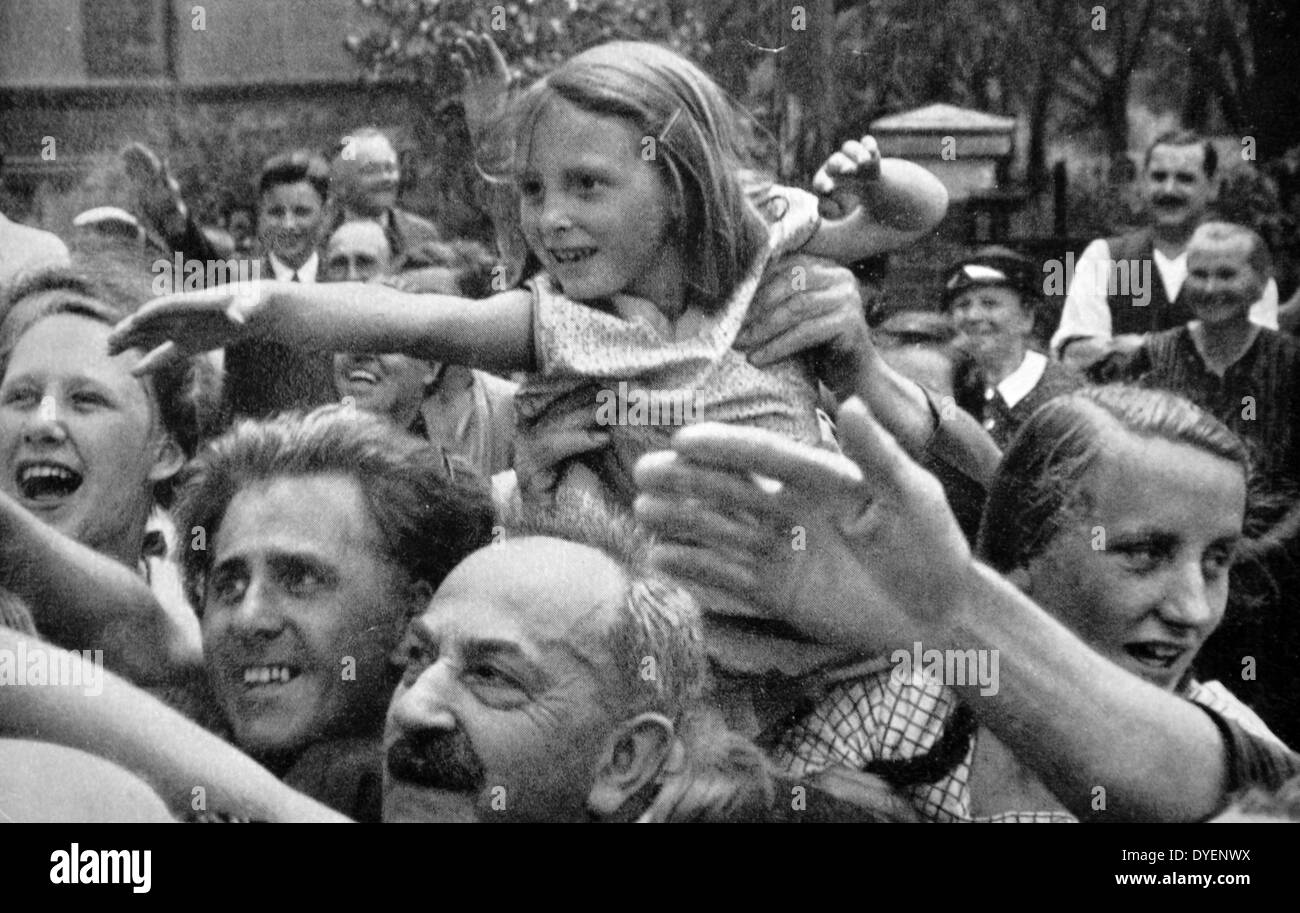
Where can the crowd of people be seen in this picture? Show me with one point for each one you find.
(635, 517)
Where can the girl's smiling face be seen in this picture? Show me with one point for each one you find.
(595, 212)
(1142, 573)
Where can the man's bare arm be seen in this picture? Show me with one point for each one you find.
(83, 600)
(179, 759)
(886, 564)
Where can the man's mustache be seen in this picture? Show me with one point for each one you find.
(439, 760)
(1165, 200)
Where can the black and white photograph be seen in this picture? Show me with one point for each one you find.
(650, 411)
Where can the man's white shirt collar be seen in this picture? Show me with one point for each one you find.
(1172, 270)
(306, 272)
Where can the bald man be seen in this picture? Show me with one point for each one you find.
(555, 676)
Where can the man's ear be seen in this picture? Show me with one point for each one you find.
(167, 460)
(633, 756)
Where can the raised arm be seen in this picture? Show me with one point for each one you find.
(884, 563)
(879, 204)
(83, 600)
(182, 761)
(494, 334)
(486, 90)
(821, 317)
(1089, 729)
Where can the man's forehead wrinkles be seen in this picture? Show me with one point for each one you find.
(466, 626)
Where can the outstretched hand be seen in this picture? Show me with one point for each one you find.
(860, 549)
(177, 326)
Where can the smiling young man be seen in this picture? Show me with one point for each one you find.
(1128, 286)
(292, 192)
(324, 534)
(263, 378)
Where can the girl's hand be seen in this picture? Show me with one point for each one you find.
(177, 326)
(844, 176)
(862, 551)
(487, 81)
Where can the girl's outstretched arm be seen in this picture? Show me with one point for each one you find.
(495, 334)
(886, 203)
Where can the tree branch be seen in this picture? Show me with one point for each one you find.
(1128, 51)
(1084, 56)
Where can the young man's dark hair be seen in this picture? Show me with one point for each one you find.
(294, 167)
(429, 520)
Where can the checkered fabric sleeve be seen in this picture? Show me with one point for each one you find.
(881, 717)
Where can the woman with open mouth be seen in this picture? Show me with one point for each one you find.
(88, 453)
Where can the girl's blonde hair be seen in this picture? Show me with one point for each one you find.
(695, 135)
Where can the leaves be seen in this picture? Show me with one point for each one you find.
(412, 39)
